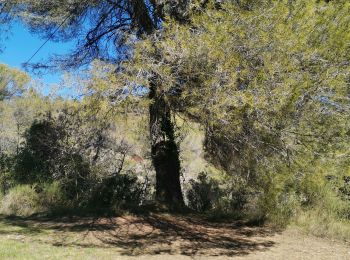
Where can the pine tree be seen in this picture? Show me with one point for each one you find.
(103, 28)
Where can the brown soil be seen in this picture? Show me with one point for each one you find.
(161, 236)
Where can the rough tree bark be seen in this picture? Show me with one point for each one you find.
(165, 152)
(164, 149)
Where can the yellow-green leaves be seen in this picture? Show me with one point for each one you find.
(264, 77)
(12, 81)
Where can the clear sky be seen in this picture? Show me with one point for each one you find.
(21, 45)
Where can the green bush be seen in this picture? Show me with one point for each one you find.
(6, 178)
(204, 193)
(116, 192)
(26, 200)
(4, 181)
(52, 198)
(123, 191)
(21, 200)
(277, 207)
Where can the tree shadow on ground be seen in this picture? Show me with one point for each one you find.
(146, 234)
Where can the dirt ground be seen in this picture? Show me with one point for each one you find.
(161, 236)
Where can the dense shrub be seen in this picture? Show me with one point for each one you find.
(50, 153)
(6, 165)
(203, 193)
(35, 161)
(344, 188)
(52, 197)
(123, 191)
(25, 200)
(21, 200)
(116, 192)
(79, 159)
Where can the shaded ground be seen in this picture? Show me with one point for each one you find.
(156, 236)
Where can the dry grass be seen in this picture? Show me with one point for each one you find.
(155, 236)
(322, 224)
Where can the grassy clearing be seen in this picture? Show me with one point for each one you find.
(21, 239)
(10, 249)
(155, 236)
(127, 236)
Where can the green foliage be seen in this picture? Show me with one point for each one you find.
(203, 194)
(12, 82)
(6, 165)
(328, 217)
(243, 78)
(49, 155)
(21, 200)
(35, 161)
(344, 188)
(122, 191)
(52, 198)
(26, 200)
(268, 81)
(17, 114)
(79, 158)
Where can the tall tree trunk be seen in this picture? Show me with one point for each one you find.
(165, 152)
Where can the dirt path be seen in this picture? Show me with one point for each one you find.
(159, 236)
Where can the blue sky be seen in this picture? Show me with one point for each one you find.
(21, 45)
